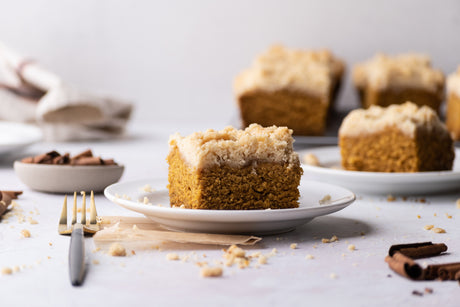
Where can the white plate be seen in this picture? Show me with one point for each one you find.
(16, 136)
(380, 183)
(228, 221)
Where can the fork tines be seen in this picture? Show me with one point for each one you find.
(89, 227)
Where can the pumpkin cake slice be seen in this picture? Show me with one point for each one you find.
(289, 87)
(453, 104)
(232, 169)
(385, 80)
(399, 138)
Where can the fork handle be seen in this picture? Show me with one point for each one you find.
(77, 255)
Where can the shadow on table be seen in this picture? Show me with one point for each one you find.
(328, 226)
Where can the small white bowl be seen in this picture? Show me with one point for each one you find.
(67, 178)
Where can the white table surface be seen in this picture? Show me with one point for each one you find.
(362, 278)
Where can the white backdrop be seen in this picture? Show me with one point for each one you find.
(176, 59)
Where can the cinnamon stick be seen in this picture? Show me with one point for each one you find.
(404, 266)
(87, 161)
(5, 199)
(84, 158)
(457, 276)
(418, 250)
(86, 153)
(448, 271)
(432, 271)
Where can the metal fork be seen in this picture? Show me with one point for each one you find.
(77, 231)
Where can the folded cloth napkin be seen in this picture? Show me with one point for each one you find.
(30, 93)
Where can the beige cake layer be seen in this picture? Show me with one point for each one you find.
(400, 71)
(236, 148)
(280, 68)
(407, 117)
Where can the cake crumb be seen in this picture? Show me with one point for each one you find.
(273, 252)
(146, 201)
(25, 233)
(117, 250)
(428, 290)
(237, 255)
(31, 221)
(333, 276)
(418, 216)
(324, 240)
(96, 250)
(334, 238)
(448, 216)
(458, 203)
(311, 159)
(351, 247)
(211, 272)
(172, 256)
(202, 263)
(262, 259)
(309, 257)
(95, 261)
(438, 230)
(147, 188)
(428, 227)
(391, 198)
(325, 200)
(422, 200)
(7, 271)
(16, 269)
(293, 246)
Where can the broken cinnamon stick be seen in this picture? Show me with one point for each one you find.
(404, 266)
(457, 276)
(448, 272)
(5, 199)
(84, 158)
(86, 153)
(418, 250)
(87, 161)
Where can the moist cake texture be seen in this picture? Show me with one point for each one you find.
(232, 169)
(386, 80)
(453, 104)
(287, 87)
(399, 138)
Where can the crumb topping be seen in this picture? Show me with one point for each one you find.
(407, 117)
(298, 70)
(404, 70)
(236, 148)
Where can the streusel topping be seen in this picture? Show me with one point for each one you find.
(407, 117)
(298, 70)
(404, 70)
(236, 148)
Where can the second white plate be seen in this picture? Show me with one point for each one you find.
(16, 136)
(130, 195)
(381, 183)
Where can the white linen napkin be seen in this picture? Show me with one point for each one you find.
(30, 93)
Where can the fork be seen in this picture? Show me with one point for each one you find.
(77, 230)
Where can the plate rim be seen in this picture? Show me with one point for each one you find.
(346, 173)
(34, 136)
(227, 216)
